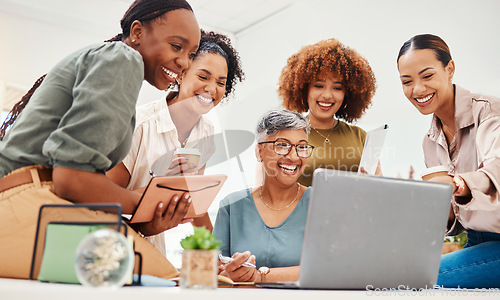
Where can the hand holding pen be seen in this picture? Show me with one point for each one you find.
(240, 267)
(225, 260)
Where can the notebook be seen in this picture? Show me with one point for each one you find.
(202, 188)
(365, 232)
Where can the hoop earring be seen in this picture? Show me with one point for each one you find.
(173, 86)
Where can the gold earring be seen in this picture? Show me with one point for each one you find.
(133, 41)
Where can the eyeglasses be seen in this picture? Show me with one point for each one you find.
(284, 147)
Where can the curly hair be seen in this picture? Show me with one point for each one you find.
(328, 56)
(212, 42)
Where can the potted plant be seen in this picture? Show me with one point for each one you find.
(200, 259)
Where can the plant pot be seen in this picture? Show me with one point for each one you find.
(199, 269)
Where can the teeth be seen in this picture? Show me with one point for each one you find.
(325, 104)
(290, 168)
(205, 99)
(169, 73)
(423, 100)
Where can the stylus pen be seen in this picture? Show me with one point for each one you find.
(226, 260)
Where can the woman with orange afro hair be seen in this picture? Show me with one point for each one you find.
(334, 84)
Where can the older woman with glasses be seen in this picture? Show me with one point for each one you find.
(264, 226)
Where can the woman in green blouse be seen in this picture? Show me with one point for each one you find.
(79, 123)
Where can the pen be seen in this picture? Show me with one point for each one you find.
(226, 260)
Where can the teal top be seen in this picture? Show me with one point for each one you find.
(240, 227)
(83, 114)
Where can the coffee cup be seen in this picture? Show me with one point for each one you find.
(192, 154)
(432, 172)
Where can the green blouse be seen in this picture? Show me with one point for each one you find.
(342, 153)
(83, 114)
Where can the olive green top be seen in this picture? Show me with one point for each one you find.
(83, 114)
(342, 153)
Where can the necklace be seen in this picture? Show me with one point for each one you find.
(185, 140)
(327, 140)
(446, 130)
(283, 208)
(183, 143)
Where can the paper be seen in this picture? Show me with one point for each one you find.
(372, 149)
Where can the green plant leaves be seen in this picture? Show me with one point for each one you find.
(200, 239)
(461, 238)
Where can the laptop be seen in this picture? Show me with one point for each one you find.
(368, 232)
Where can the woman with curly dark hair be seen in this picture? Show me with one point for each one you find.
(178, 121)
(333, 83)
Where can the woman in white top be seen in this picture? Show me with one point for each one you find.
(165, 125)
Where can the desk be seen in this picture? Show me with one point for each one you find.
(13, 289)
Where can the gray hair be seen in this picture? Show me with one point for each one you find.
(275, 120)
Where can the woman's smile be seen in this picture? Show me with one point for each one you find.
(289, 169)
(205, 99)
(425, 101)
(171, 74)
(325, 105)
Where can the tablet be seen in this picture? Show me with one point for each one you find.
(372, 149)
(202, 188)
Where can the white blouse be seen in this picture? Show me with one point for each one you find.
(153, 145)
(155, 140)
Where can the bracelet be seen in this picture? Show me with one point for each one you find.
(263, 272)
